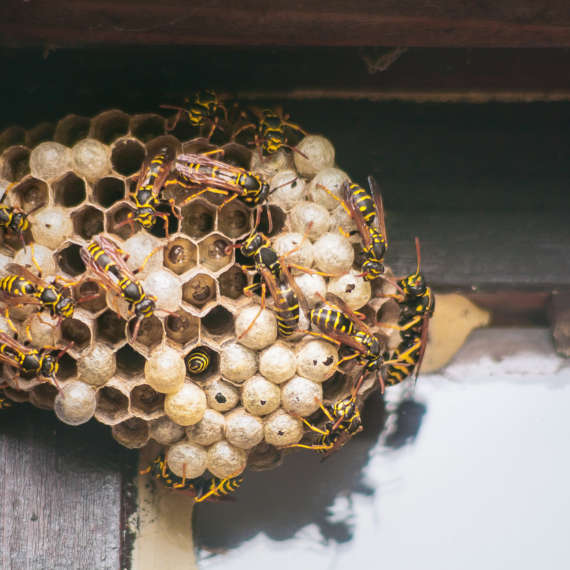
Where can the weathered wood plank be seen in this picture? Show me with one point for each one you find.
(60, 493)
(295, 22)
(484, 249)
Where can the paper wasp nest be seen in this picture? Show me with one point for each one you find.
(244, 408)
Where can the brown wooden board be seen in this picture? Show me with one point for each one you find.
(60, 493)
(295, 22)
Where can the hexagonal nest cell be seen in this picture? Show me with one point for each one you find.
(31, 194)
(127, 156)
(146, 402)
(110, 125)
(198, 219)
(15, 163)
(69, 190)
(180, 255)
(182, 327)
(87, 222)
(69, 259)
(200, 290)
(107, 191)
(189, 340)
(110, 328)
(71, 130)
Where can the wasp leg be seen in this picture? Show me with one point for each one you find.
(227, 201)
(261, 307)
(145, 260)
(295, 127)
(9, 320)
(165, 220)
(312, 447)
(177, 118)
(145, 470)
(346, 359)
(212, 491)
(333, 195)
(243, 128)
(322, 335)
(183, 483)
(203, 191)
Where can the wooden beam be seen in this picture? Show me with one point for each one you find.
(513, 23)
(60, 492)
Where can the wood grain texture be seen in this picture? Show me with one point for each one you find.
(295, 22)
(484, 249)
(60, 493)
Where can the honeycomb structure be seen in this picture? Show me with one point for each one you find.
(74, 178)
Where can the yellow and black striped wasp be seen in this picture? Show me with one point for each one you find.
(343, 422)
(276, 277)
(209, 175)
(221, 178)
(105, 260)
(202, 488)
(342, 326)
(271, 130)
(202, 108)
(13, 219)
(22, 287)
(417, 303)
(31, 362)
(147, 192)
(364, 207)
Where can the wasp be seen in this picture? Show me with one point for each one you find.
(104, 258)
(408, 355)
(23, 287)
(271, 130)
(417, 304)
(374, 237)
(276, 276)
(202, 109)
(197, 361)
(201, 488)
(146, 194)
(342, 326)
(13, 219)
(343, 421)
(366, 208)
(221, 178)
(416, 300)
(30, 362)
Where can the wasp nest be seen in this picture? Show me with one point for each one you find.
(245, 407)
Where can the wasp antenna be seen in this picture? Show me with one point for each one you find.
(418, 254)
(136, 331)
(64, 350)
(284, 184)
(295, 149)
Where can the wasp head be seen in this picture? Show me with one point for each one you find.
(48, 366)
(19, 223)
(252, 243)
(414, 285)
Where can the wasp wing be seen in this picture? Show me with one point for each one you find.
(361, 224)
(379, 203)
(24, 272)
(210, 172)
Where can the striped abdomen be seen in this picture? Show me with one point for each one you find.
(102, 260)
(331, 320)
(363, 201)
(197, 361)
(407, 353)
(217, 487)
(286, 310)
(16, 286)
